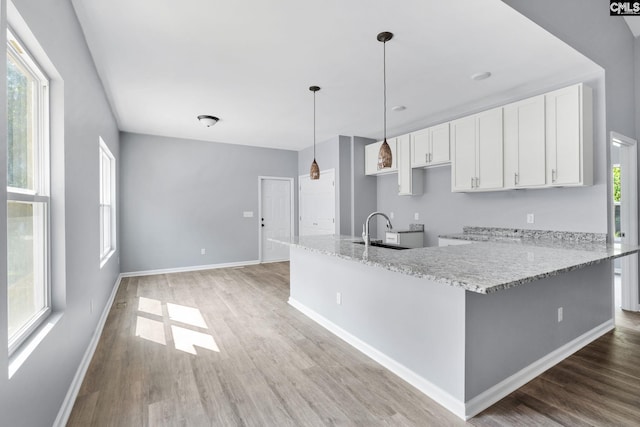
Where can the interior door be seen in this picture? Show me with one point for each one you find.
(317, 204)
(275, 220)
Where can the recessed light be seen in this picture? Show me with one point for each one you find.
(208, 121)
(481, 76)
(399, 108)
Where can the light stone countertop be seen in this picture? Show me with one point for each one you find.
(492, 264)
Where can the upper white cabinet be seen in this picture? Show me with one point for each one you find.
(409, 179)
(569, 133)
(477, 152)
(371, 158)
(524, 143)
(430, 146)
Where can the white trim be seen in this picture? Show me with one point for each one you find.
(520, 378)
(464, 410)
(74, 388)
(293, 209)
(434, 392)
(190, 268)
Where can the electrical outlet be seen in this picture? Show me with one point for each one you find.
(560, 314)
(90, 306)
(391, 215)
(247, 214)
(203, 251)
(530, 218)
(416, 216)
(339, 298)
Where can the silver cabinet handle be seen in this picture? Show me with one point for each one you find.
(515, 178)
(477, 182)
(426, 157)
(553, 175)
(430, 157)
(471, 182)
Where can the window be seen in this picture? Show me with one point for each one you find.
(28, 284)
(107, 203)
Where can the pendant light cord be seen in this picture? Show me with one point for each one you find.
(384, 84)
(314, 125)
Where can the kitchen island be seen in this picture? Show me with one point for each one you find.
(465, 324)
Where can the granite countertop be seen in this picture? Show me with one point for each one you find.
(497, 262)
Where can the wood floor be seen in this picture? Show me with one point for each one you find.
(223, 348)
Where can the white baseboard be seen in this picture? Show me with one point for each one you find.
(487, 398)
(191, 268)
(434, 392)
(464, 410)
(74, 388)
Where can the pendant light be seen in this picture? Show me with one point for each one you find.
(385, 157)
(314, 172)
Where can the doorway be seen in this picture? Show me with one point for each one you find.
(276, 213)
(624, 160)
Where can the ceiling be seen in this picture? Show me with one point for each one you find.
(251, 62)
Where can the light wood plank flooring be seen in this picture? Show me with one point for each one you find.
(223, 348)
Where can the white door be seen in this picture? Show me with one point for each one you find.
(275, 217)
(626, 233)
(317, 204)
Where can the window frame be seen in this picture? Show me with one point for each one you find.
(105, 154)
(40, 194)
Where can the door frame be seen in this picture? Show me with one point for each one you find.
(291, 199)
(629, 189)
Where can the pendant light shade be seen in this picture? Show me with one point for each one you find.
(385, 158)
(314, 172)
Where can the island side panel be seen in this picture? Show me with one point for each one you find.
(511, 329)
(416, 322)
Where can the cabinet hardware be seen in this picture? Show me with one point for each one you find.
(426, 157)
(471, 182)
(553, 175)
(515, 178)
(477, 182)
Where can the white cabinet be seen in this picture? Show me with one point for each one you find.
(569, 133)
(477, 152)
(524, 143)
(371, 158)
(409, 179)
(430, 146)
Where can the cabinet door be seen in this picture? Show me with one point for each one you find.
(420, 148)
(489, 166)
(439, 137)
(409, 179)
(463, 150)
(371, 158)
(563, 136)
(524, 143)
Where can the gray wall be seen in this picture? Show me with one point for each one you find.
(364, 188)
(80, 114)
(179, 196)
(508, 330)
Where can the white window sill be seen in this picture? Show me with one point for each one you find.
(23, 352)
(106, 258)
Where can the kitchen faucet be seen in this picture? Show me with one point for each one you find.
(365, 227)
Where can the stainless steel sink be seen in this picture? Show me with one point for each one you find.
(379, 244)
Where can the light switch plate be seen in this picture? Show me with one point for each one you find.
(530, 218)
(416, 216)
